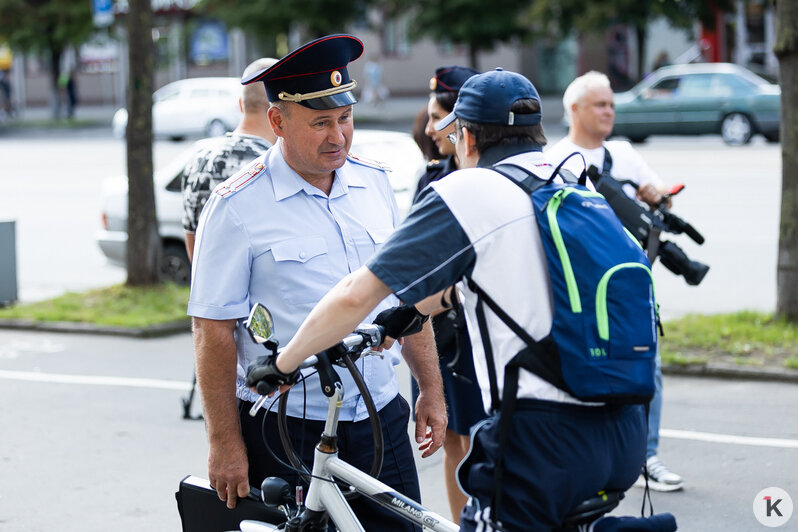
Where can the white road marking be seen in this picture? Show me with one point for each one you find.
(15, 348)
(729, 438)
(34, 376)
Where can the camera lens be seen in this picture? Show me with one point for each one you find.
(673, 258)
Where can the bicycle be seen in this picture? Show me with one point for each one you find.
(324, 496)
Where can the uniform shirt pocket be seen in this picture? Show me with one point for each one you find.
(303, 269)
(372, 241)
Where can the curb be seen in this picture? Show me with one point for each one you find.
(151, 331)
(730, 371)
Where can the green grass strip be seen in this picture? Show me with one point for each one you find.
(744, 338)
(120, 306)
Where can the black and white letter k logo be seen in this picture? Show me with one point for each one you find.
(772, 506)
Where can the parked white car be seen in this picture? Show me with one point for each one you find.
(395, 149)
(205, 107)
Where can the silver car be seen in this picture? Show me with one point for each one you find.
(195, 107)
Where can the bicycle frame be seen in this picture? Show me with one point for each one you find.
(325, 495)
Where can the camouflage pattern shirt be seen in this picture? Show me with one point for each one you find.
(211, 165)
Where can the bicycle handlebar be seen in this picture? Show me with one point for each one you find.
(367, 335)
(352, 347)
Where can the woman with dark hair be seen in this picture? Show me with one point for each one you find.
(463, 398)
(425, 144)
(444, 87)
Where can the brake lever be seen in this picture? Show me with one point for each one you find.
(372, 332)
(253, 411)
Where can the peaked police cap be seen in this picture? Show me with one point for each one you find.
(313, 75)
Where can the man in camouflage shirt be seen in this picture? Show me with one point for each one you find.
(222, 157)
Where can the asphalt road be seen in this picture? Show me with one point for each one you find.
(89, 453)
(52, 185)
(93, 439)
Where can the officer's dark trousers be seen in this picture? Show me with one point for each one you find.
(557, 456)
(356, 446)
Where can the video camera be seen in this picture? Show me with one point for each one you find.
(647, 224)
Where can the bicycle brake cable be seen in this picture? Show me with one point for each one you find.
(299, 468)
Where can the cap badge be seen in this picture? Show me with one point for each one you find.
(335, 78)
(433, 82)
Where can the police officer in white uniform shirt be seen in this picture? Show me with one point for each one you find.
(476, 223)
(282, 232)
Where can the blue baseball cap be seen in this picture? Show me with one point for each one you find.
(487, 99)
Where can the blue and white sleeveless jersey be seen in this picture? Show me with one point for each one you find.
(476, 222)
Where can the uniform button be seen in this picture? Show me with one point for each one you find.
(302, 254)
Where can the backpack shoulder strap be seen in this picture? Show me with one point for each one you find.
(529, 358)
(519, 175)
(487, 347)
(530, 182)
(541, 358)
(511, 323)
(569, 176)
(607, 166)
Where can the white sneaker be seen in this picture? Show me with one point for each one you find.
(660, 478)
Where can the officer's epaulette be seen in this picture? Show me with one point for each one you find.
(239, 180)
(368, 162)
(435, 164)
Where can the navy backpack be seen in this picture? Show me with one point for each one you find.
(603, 340)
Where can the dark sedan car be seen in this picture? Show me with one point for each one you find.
(698, 99)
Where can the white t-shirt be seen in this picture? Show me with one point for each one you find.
(627, 164)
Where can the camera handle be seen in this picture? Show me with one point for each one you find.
(652, 246)
(652, 242)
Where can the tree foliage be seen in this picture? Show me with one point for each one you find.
(43, 25)
(584, 16)
(47, 26)
(315, 18)
(588, 15)
(473, 23)
(786, 49)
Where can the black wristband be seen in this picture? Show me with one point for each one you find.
(403, 320)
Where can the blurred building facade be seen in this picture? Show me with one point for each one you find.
(190, 46)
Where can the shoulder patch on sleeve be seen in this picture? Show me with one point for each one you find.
(240, 179)
(368, 162)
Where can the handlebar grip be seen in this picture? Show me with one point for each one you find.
(692, 233)
(675, 189)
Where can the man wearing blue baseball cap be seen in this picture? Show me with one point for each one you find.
(282, 232)
(476, 225)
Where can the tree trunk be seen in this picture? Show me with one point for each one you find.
(472, 56)
(143, 243)
(640, 35)
(786, 49)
